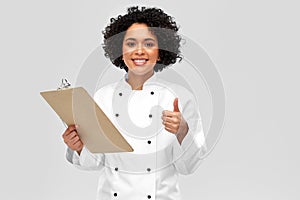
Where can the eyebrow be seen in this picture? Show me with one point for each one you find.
(147, 39)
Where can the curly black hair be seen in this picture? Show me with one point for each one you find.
(162, 25)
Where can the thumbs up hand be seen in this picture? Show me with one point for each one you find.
(174, 122)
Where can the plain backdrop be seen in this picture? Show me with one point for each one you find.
(254, 44)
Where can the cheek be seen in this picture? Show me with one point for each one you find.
(125, 53)
(153, 53)
(126, 58)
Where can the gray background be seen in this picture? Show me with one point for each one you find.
(254, 45)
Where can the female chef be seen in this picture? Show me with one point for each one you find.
(143, 42)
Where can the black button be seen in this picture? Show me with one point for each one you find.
(116, 169)
(149, 196)
(149, 142)
(117, 115)
(120, 94)
(148, 169)
(150, 116)
(152, 93)
(115, 194)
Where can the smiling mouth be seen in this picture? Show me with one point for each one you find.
(139, 61)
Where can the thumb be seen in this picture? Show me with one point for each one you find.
(175, 104)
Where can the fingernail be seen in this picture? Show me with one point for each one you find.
(76, 126)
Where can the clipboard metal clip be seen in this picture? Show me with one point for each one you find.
(64, 84)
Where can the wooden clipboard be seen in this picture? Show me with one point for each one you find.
(97, 132)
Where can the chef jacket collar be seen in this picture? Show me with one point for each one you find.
(147, 83)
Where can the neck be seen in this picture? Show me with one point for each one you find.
(136, 82)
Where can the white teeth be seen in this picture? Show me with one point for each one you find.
(139, 61)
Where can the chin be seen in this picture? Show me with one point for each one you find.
(139, 71)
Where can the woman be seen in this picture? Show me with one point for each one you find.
(143, 42)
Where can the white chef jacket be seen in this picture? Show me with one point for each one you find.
(151, 170)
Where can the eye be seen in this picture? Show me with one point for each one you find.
(130, 44)
(149, 44)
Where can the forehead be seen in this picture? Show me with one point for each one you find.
(139, 31)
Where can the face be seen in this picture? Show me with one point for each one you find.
(140, 50)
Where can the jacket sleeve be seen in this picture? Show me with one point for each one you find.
(86, 160)
(189, 154)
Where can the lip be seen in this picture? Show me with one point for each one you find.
(139, 61)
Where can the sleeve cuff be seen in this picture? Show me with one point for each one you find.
(74, 158)
(179, 149)
(190, 145)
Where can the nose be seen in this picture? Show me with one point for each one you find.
(139, 50)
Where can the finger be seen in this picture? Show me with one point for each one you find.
(164, 117)
(78, 145)
(167, 113)
(170, 130)
(171, 125)
(175, 105)
(71, 136)
(171, 120)
(171, 115)
(74, 140)
(69, 129)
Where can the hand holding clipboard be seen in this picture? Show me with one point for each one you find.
(96, 131)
